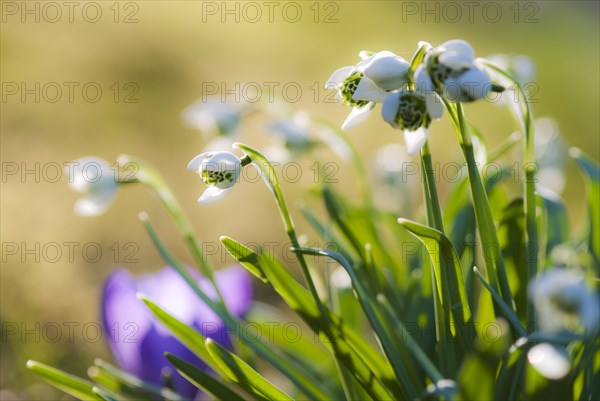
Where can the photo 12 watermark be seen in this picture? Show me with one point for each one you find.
(52, 12)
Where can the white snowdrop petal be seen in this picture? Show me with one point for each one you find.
(415, 140)
(196, 162)
(422, 79)
(389, 109)
(549, 360)
(368, 90)
(337, 78)
(91, 206)
(435, 106)
(456, 54)
(213, 194)
(389, 72)
(357, 116)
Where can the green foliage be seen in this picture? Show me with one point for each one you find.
(417, 319)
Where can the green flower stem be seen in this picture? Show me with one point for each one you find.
(432, 200)
(525, 118)
(434, 219)
(508, 312)
(417, 59)
(492, 252)
(270, 178)
(148, 176)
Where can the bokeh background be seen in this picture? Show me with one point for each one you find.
(167, 51)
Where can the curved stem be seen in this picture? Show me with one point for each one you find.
(270, 178)
(148, 176)
(431, 200)
(492, 251)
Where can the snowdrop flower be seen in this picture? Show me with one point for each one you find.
(563, 301)
(299, 133)
(293, 135)
(451, 70)
(522, 68)
(367, 83)
(412, 111)
(219, 170)
(94, 178)
(213, 116)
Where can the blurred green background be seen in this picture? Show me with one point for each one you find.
(168, 50)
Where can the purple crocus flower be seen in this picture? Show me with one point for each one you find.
(138, 341)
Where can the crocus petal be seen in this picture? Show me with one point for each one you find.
(389, 72)
(196, 162)
(337, 78)
(415, 140)
(367, 89)
(389, 109)
(213, 194)
(90, 206)
(357, 116)
(456, 54)
(126, 320)
(422, 80)
(235, 284)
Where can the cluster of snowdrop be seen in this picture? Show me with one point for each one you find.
(412, 94)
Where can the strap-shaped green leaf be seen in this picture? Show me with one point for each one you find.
(591, 172)
(191, 338)
(70, 384)
(113, 378)
(365, 363)
(203, 380)
(284, 365)
(448, 273)
(241, 373)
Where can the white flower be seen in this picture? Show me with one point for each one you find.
(452, 71)
(549, 360)
(213, 116)
(367, 83)
(563, 301)
(294, 131)
(412, 111)
(219, 170)
(299, 133)
(92, 177)
(521, 68)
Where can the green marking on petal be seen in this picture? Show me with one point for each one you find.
(349, 87)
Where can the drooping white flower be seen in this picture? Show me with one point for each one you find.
(367, 83)
(299, 133)
(219, 170)
(92, 177)
(452, 71)
(520, 67)
(412, 111)
(523, 71)
(563, 302)
(214, 117)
